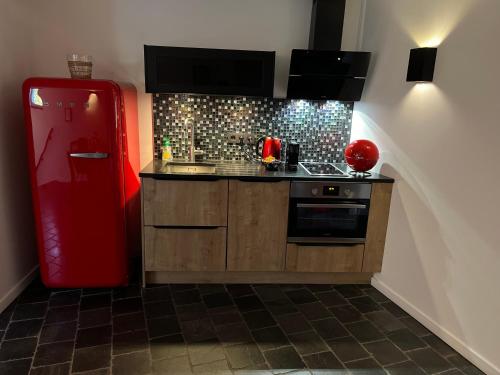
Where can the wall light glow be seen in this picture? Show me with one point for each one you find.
(423, 87)
(424, 99)
(430, 30)
(433, 42)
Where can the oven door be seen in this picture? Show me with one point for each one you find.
(327, 221)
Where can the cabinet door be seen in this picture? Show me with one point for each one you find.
(257, 225)
(185, 203)
(183, 249)
(334, 258)
(377, 227)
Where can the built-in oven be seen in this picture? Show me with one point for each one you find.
(328, 212)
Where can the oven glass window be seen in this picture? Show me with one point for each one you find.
(322, 218)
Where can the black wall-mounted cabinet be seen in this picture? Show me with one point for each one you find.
(209, 71)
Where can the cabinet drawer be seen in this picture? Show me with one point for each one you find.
(305, 258)
(185, 203)
(183, 249)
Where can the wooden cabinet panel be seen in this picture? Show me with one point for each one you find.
(305, 258)
(257, 225)
(183, 249)
(377, 227)
(185, 203)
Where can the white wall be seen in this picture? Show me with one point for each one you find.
(441, 143)
(17, 243)
(114, 32)
(353, 24)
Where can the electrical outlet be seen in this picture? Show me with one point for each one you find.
(240, 138)
(232, 138)
(248, 138)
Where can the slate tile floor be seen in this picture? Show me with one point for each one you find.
(218, 329)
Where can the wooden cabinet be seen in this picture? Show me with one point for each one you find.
(185, 203)
(182, 249)
(377, 227)
(236, 231)
(184, 226)
(309, 258)
(257, 225)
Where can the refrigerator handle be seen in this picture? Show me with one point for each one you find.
(89, 155)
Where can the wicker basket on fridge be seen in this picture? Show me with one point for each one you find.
(80, 66)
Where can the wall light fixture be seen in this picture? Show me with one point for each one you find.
(421, 64)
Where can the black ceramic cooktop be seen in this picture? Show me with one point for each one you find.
(322, 169)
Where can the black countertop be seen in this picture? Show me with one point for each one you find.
(251, 171)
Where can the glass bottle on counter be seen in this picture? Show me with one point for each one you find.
(166, 150)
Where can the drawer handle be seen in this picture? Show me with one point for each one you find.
(184, 227)
(267, 180)
(333, 205)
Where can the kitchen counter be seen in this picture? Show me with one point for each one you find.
(251, 171)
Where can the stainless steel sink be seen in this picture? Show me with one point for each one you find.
(189, 167)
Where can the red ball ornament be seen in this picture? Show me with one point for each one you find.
(361, 155)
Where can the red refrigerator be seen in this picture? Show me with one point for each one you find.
(83, 152)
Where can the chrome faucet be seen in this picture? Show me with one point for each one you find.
(192, 148)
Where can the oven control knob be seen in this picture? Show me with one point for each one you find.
(314, 191)
(347, 192)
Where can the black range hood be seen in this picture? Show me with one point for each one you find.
(323, 71)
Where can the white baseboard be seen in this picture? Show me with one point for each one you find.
(445, 335)
(17, 289)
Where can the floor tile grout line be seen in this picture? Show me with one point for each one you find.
(312, 327)
(38, 335)
(369, 356)
(186, 344)
(211, 362)
(373, 356)
(398, 363)
(381, 340)
(386, 334)
(148, 348)
(86, 372)
(342, 324)
(17, 359)
(240, 313)
(321, 337)
(414, 350)
(76, 334)
(287, 335)
(427, 347)
(96, 293)
(9, 323)
(38, 344)
(55, 364)
(277, 324)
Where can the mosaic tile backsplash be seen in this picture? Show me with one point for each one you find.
(322, 128)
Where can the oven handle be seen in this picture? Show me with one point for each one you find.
(331, 205)
(326, 240)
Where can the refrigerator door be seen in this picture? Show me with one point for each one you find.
(74, 143)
